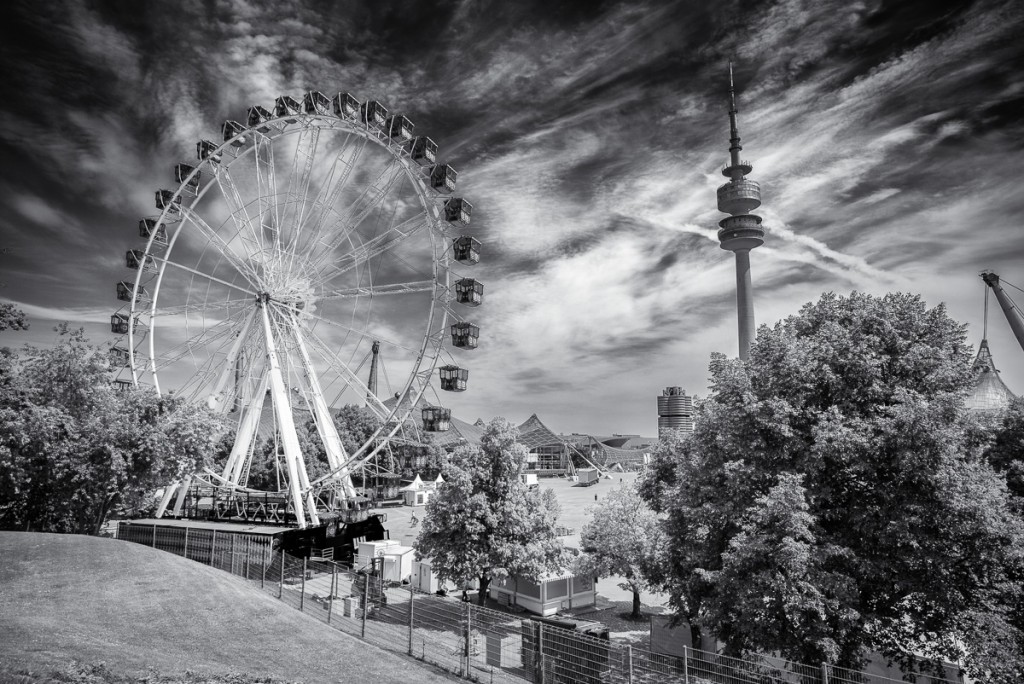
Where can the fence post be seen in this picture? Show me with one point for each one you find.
(186, 543)
(280, 581)
(334, 590)
(263, 564)
(213, 546)
(154, 536)
(540, 653)
(302, 593)
(629, 659)
(412, 600)
(824, 673)
(469, 637)
(686, 665)
(366, 594)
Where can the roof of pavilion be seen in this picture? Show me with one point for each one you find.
(533, 434)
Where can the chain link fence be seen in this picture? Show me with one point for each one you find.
(473, 642)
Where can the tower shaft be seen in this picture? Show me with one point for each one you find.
(744, 302)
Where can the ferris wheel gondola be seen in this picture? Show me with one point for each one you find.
(312, 232)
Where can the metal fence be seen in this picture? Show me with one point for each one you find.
(476, 643)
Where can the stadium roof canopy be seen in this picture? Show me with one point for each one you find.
(989, 393)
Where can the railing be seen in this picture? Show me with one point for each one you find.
(476, 643)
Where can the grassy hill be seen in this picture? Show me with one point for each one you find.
(72, 600)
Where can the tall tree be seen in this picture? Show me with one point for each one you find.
(484, 523)
(72, 449)
(621, 538)
(906, 528)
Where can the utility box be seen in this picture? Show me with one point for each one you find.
(398, 563)
(367, 551)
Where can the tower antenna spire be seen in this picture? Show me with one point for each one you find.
(734, 133)
(741, 231)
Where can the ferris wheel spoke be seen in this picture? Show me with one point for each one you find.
(363, 206)
(266, 186)
(376, 246)
(223, 246)
(380, 290)
(186, 349)
(298, 182)
(207, 334)
(209, 277)
(169, 311)
(337, 180)
(244, 227)
(207, 372)
(363, 332)
(351, 378)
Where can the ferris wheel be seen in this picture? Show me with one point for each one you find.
(312, 234)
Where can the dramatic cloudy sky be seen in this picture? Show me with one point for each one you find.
(886, 136)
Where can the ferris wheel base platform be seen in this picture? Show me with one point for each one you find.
(248, 549)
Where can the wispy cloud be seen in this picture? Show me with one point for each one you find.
(590, 142)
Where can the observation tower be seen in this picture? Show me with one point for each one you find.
(741, 231)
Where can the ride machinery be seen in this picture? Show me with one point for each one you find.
(312, 235)
(1010, 310)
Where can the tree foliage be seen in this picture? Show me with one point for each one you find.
(12, 318)
(622, 538)
(834, 473)
(73, 449)
(355, 425)
(1006, 452)
(484, 523)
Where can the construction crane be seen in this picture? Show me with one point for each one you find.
(1012, 312)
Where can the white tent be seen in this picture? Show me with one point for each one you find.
(416, 493)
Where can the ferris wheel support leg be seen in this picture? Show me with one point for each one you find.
(217, 397)
(182, 491)
(286, 422)
(165, 499)
(246, 431)
(336, 455)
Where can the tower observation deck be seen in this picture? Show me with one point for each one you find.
(741, 231)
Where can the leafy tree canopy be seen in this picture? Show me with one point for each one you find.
(484, 522)
(11, 317)
(73, 449)
(830, 499)
(622, 538)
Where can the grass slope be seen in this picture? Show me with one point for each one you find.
(68, 599)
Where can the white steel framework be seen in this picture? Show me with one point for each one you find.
(283, 255)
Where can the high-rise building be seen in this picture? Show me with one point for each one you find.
(741, 231)
(675, 411)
